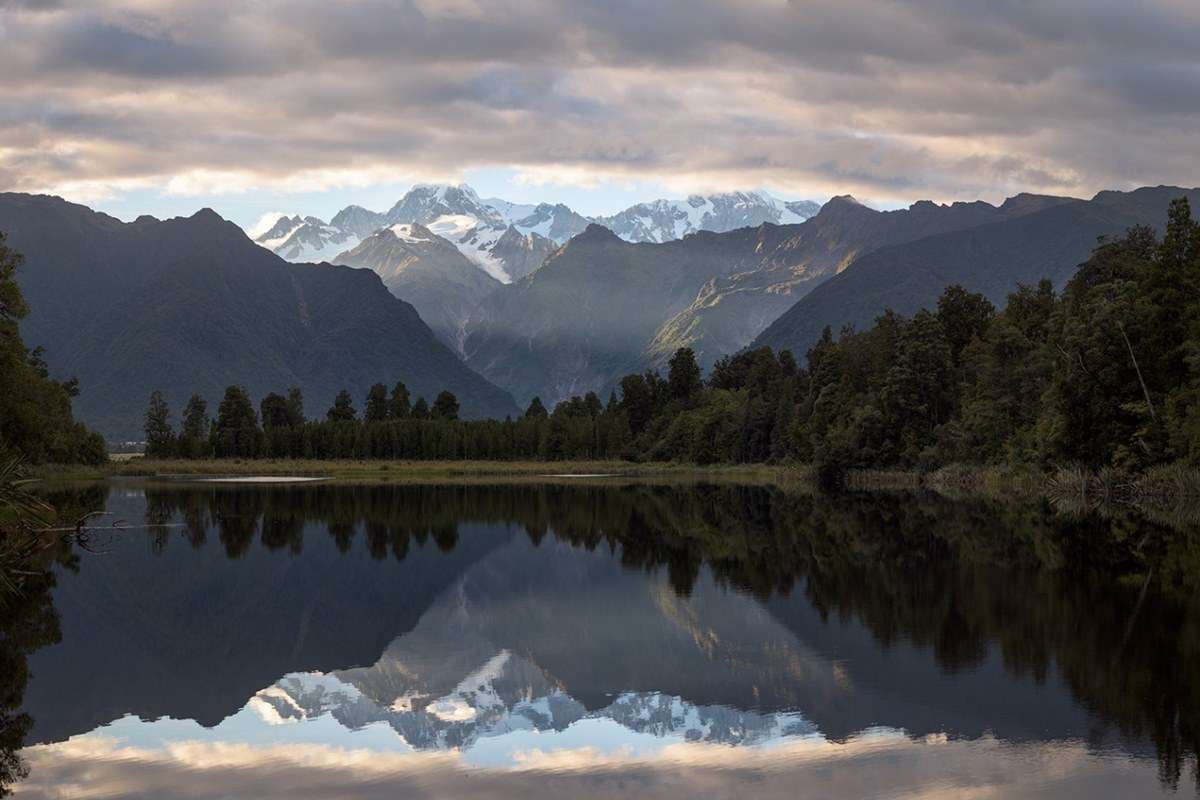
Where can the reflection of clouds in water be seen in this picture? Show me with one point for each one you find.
(871, 765)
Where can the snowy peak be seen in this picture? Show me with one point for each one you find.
(555, 221)
(510, 240)
(505, 694)
(278, 233)
(425, 203)
(306, 239)
(664, 220)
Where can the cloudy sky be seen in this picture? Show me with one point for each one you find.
(163, 106)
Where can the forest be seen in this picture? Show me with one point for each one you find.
(1105, 374)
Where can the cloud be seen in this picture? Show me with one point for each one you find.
(934, 769)
(890, 99)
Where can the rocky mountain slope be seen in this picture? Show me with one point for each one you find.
(601, 307)
(428, 271)
(192, 304)
(1036, 241)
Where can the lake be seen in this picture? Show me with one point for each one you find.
(601, 638)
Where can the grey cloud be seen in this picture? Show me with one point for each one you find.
(889, 98)
(930, 769)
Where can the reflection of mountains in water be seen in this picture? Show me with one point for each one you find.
(485, 629)
(510, 694)
(536, 638)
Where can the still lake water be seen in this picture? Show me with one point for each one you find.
(601, 638)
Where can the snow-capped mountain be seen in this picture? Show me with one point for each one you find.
(498, 237)
(665, 220)
(510, 240)
(427, 202)
(298, 238)
(506, 694)
(555, 222)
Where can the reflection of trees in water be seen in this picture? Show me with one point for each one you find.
(28, 622)
(1108, 600)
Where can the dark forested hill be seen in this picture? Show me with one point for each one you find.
(991, 259)
(192, 304)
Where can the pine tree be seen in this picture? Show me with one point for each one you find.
(160, 438)
(342, 409)
(445, 406)
(194, 436)
(237, 425)
(420, 409)
(376, 409)
(275, 412)
(195, 418)
(398, 406)
(536, 410)
(684, 375)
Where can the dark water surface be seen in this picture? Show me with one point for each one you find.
(600, 639)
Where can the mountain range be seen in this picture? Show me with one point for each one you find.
(193, 305)
(600, 307)
(488, 231)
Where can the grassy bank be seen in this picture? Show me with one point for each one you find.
(403, 470)
(1164, 486)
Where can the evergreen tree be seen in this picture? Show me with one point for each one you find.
(194, 436)
(591, 405)
(684, 375)
(342, 409)
(195, 418)
(160, 438)
(237, 430)
(637, 402)
(275, 412)
(420, 409)
(376, 409)
(445, 406)
(398, 406)
(536, 410)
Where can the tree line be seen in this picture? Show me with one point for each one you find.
(1107, 373)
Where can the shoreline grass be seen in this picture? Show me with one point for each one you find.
(356, 469)
(1164, 487)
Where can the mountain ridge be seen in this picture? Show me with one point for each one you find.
(192, 304)
(1048, 242)
(476, 225)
